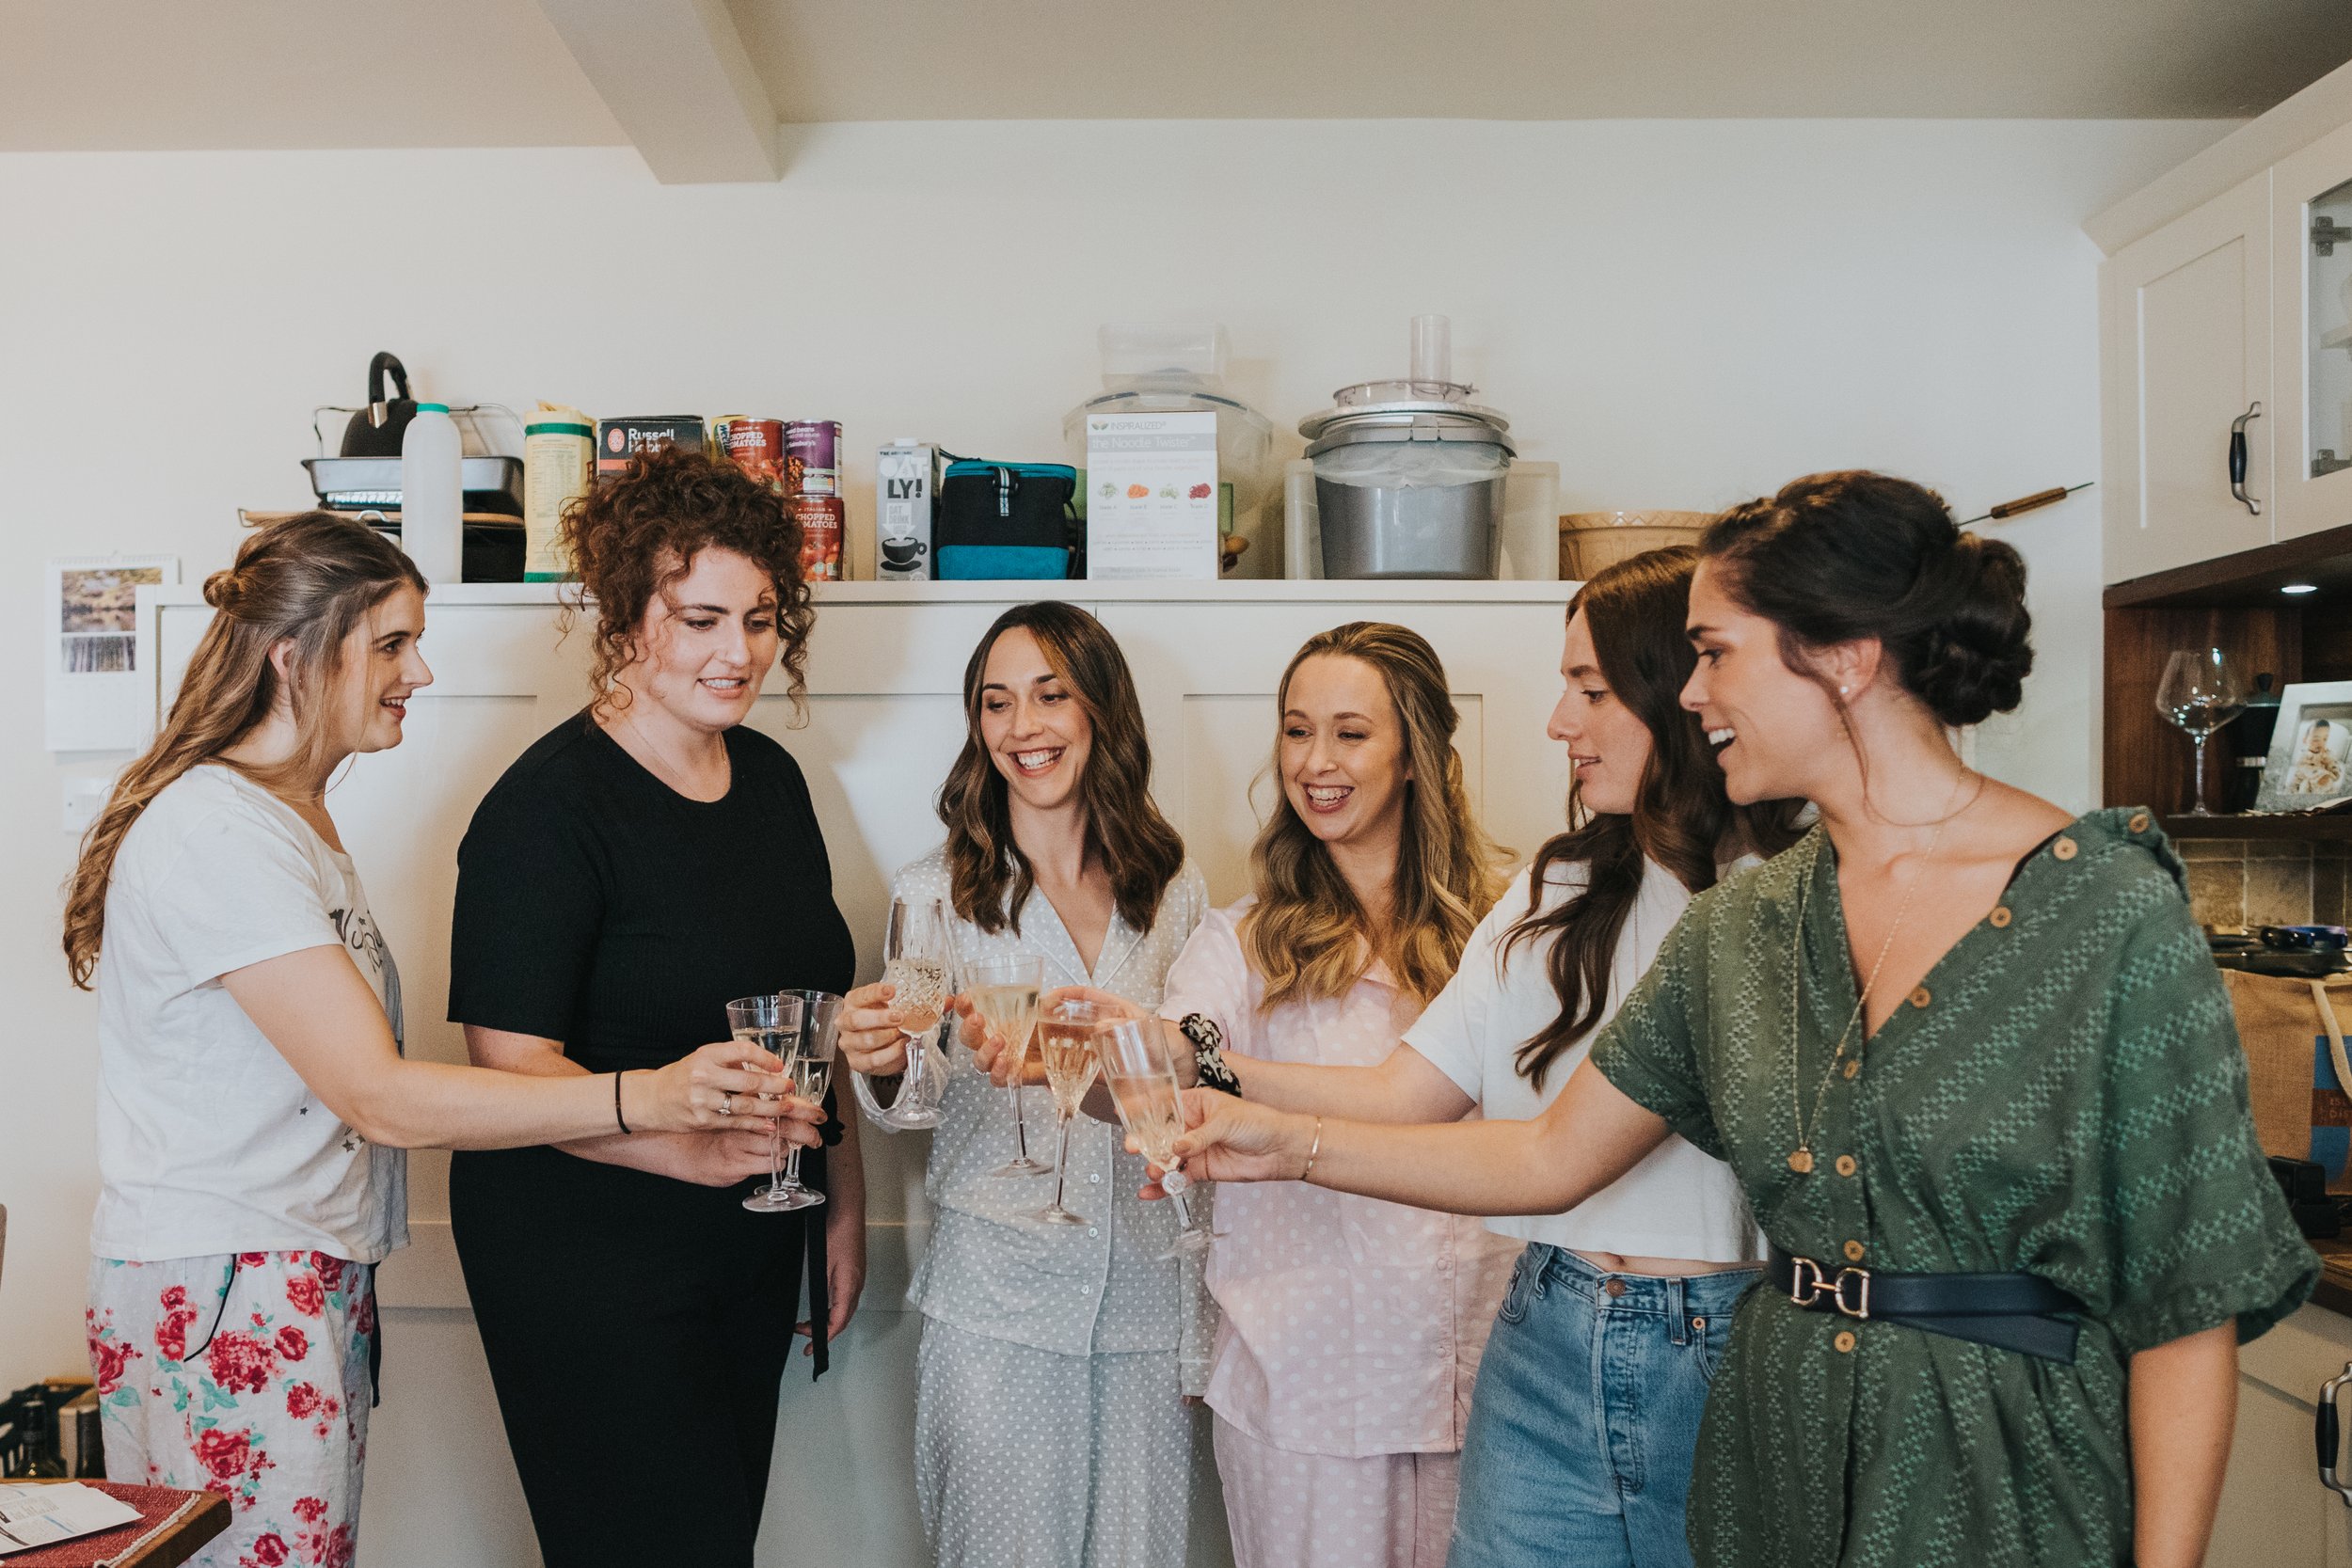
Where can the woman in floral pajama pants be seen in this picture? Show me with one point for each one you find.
(271, 1406)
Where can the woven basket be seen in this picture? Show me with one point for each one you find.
(1590, 541)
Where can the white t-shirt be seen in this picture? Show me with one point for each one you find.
(208, 1142)
(1678, 1202)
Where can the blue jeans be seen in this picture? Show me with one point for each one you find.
(1586, 1409)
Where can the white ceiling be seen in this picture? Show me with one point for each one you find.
(122, 74)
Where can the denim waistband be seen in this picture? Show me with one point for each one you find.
(1673, 1298)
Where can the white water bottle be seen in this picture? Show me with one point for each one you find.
(432, 494)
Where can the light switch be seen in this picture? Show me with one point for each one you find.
(84, 797)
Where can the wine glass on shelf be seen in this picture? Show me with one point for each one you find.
(2199, 693)
(810, 1067)
(919, 959)
(773, 1024)
(1140, 1072)
(1006, 993)
(1065, 1043)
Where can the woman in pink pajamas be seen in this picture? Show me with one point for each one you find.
(1352, 1327)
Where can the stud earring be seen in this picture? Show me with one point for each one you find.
(1841, 690)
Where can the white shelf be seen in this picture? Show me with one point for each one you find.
(1246, 591)
(2339, 338)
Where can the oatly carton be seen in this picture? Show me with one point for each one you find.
(906, 478)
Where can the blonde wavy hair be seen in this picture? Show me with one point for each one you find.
(312, 579)
(1306, 935)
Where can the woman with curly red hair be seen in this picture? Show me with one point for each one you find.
(645, 861)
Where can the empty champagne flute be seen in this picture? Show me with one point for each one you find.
(810, 1067)
(2199, 693)
(773, 1024)
(1065, 1043)
(1140, 1070)
(1006, 993)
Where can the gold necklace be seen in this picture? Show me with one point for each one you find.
(1801, 1157)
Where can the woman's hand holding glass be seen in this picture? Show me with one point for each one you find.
(726, 1085)
(873, 1037)
(993, 1057)
(1231, 1140)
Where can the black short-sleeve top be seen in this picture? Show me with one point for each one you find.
(598, 906)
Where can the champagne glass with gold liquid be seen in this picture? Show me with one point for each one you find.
(1065, 1043)
(1140, 1070)
(773, 1024)
(810, 1067)
(1006, 993)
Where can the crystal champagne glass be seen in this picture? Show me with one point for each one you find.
(773, 1024)
(918, 958)
(810, 1067)
(1065, 1043)
(1006, 993)
(2199, 693)
(1140, 1070)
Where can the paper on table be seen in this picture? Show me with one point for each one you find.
(38, 1515)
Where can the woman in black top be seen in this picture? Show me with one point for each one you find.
(640, 867)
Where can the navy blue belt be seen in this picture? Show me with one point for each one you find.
(2017, 1311)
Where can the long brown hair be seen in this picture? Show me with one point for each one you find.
(312, 579)
(1307, 934)
(988, 876)
(637, 535)
(1636, 612)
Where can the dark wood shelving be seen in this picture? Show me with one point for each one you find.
(2258, 827)
(2233, 603)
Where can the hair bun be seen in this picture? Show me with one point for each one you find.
(224, 588)
(1975, 656)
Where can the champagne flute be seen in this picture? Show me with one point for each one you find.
(773, 1024)
(1140, 1070)
(1006, 993)
(1065, 1043)
(918, 958)
(2199, 693)
(811, 1068)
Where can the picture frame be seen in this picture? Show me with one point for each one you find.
(98, 671)
(2310, 763)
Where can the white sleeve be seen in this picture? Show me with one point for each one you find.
(1452, 1030)
(235, 891)
(1211, 977)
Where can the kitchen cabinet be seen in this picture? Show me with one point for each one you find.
(2186, 337)
(884, 719)
(2275, 1512)
(2312, 334)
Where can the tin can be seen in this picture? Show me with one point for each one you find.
(756, 447)
(820, 521)
(812, 460)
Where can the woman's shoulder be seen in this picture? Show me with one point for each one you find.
(924, 877)
(763, 752)
(210, 796)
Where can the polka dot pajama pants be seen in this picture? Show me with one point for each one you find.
(1315, 1510)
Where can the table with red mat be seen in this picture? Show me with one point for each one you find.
(172, 1526)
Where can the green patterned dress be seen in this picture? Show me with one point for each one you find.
(2063, 1094)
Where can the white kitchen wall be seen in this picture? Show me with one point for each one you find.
(1680, 314)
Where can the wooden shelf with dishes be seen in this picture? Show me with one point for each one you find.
(2238, 603)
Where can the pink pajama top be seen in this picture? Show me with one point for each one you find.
(1351, 1327)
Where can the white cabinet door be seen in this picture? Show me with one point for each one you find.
(2312, 337)
(2187, 333)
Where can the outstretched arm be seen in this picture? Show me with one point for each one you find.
(1585, 1139)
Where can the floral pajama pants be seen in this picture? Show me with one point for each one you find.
(269, 1407)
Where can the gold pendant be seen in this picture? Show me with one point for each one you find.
(1801, 1160)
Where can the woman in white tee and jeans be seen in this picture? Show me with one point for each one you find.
(1588, 1403)
(253, 1100)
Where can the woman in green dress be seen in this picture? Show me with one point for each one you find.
(1967, 1056)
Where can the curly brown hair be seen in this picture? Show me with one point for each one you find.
(634, 537)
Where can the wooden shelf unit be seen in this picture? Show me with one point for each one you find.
(2233, 603)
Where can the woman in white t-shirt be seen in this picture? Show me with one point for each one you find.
(253, 1102)
(1588, 1403)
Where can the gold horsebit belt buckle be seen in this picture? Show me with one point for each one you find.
(1849, 1289)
